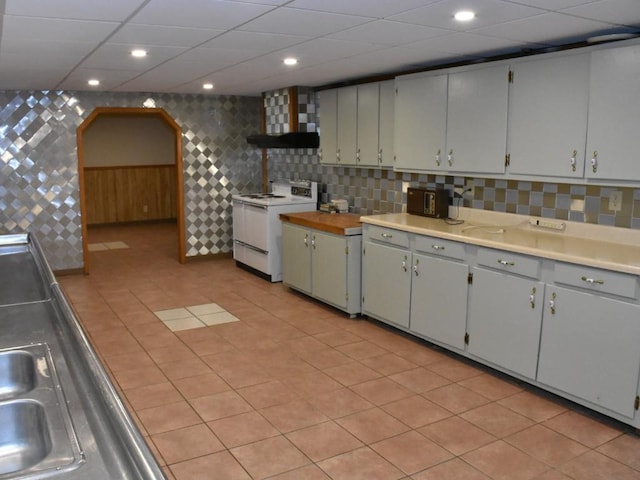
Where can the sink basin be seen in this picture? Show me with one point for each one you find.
(17, 374)
(25, 439)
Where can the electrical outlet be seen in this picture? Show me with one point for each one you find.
(470, 187)
(615, 201)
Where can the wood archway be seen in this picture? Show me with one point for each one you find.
(125, 111)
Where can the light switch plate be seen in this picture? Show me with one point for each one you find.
(615, 201)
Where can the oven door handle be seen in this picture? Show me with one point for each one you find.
(251, 247)
(253, 205)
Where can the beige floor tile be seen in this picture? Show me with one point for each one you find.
(184, 324)
(222, 463)
(360, 464)
(411, 452)
(501, 461)
(174, 314)
(324, 440)
(217, 318)
(372, 425)
(269, 457)
(243, 429)
(206, 308)
(187, 443)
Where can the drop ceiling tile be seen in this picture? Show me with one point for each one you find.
(293, 21)
(550, 28)
(622, 12)
(263, 42)
(324, 49)
(109, 78)
(118, 56)
(116, 10)
(59, 30)
(132, 34)
(389, 33)
(215, 14)
(366, 8)
(488, 12)
(551, 5)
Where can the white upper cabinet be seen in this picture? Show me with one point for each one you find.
(548, 103)
(420, 122)
(386, 126)
(328, 126)
(614, 115)
(477, 120)
(368, 116)
(347, 125)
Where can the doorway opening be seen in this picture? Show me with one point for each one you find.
(133, 113)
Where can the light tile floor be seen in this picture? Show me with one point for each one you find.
(195, 316)
(296, 390)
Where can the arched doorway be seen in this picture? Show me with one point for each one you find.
(124, 111)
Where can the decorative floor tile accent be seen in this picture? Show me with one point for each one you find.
(195, 316)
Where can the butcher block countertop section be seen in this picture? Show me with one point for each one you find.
(611, 248)
(338, 223)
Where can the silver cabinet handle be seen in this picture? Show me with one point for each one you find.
(594, 161)
(313, 242)
(386, 235)
(380, 155)
(358, 156)
(450, 157)
(320, 153)
(338, 155)
(404, 263)
(306, 240)
(438, 160)
(592, 281)
(573, 160)
(506, 263)
(532, 297)
(437, 247)
(415, 267)
(552, 303)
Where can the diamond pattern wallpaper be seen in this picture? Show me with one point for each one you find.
(39, 189)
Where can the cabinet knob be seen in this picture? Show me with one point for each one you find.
(415, 267)
(573, 160)
(450, 157)
(386, 236)
(437, 247)
(532, 298)
(306, 240)
(320, 153)
(506, 263)
(380, 155)
(313, 242)
(594, 161)
(438, 160)
(358, 156)
(552, 303)
(404, 263)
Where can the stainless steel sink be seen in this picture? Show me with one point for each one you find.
(25, 439)
(17, 374)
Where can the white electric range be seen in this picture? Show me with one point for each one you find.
(257, 231)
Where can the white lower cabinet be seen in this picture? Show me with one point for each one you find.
(505, 315)
(590, 348)
(386, 282)
(324, 265)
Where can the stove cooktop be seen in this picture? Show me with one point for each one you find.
(262, 195)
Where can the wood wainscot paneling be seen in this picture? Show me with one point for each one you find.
(130, 193)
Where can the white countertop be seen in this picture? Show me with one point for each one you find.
(611, 248)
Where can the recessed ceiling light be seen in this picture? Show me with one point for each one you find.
(290, 61)
(93, 82)
(207, 86)
(464, 15)
(139, 53)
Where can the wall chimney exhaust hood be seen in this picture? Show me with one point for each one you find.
(286, 140)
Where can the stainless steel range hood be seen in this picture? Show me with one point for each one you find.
(286, 140)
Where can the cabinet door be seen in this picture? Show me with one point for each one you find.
(439, 300)
(328, 126)
(548, 116)
(347, 125)
(505, 314)
(614, 114)
(420, 122)
(368, 115)
(386, 283)
(296, 257)
(386, 127)
(329, 268)
(589, 348)
(477, 120)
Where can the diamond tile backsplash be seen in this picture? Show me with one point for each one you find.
(39, 166)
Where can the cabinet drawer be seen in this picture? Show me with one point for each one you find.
(597, 280)
(387, 235)
(509, 262)
(440, 247)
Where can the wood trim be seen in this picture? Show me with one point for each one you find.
(125, 167)
(293, 109)
(139, 111)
